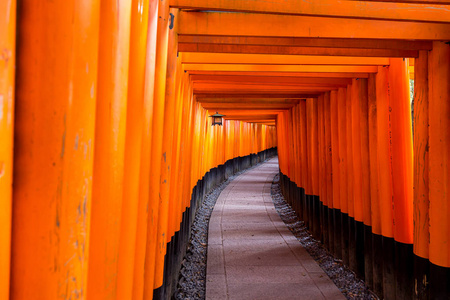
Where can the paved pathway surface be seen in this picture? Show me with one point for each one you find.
(251, 252)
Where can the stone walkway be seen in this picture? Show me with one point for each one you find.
(252, 254)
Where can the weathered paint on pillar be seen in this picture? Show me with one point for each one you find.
(356, 149)
(7, 73)
(312, 114)
(328, 151)
(384, 151)
(304, 146)
(365, 158)
(421, 157)
(439, 156)
(166, 157)
(334, 114)
(343, 169)
(156, 66)
(54, 148)
(373, 156)
(107, 184)
(350, 182)
(144, 212)
(322, 149)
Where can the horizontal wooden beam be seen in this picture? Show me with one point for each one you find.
(249, 100)
(307, 42)
(249, 117)
(250, 24)
(280, 68)
(326, 8)
(280, 74)
(439, 2)
(266, 59)
(254, 95)
(272, 123)
(222, 106)
(294, 50)
(261, 88)
(268, 79)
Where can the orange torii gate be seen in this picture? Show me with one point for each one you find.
(107, 149)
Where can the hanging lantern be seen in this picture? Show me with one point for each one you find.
(217, 119)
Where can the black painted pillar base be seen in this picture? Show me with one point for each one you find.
(388, 268)
(353, 265)
(316, 221)
(345, 238)
(158, 294)
(404, 270)
(337, 233)
(368, 256)
(359, 226)
(307, 211)
(439, 282)
(421, 278)
(327, 228)
(301, 196)
(377, 252)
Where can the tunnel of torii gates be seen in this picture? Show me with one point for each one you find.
(107, 147)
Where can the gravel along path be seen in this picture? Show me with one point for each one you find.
(343, 277)
(192, 278)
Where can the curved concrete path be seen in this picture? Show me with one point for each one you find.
(251, 252)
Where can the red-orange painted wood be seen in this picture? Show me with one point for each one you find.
(402, 156)
(439, 138)
(418, 12)
(384, 151)
(328, 151)
(343, 166)
(7, 73)
(365, 158)
(421, 157)
(356, 94)
(258, 25)
(350, 182)
(109, 152)
(334, 114)
(373, 156)
(54, 148)
(322, 159)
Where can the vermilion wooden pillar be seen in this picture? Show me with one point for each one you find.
(343, 174)
(385, 181)
(109, 150)
(159, 17)
(146, 41)
(349, 217)
(402, 175)
(312, 142)
(7, 72)
(304, 146)
(356, 227)
(133, 149)
(335, 218)
(166, 157)
(421, 177)
(439, 176)
(373, 233)
(322, 171)
(54, 148)
(328, 168)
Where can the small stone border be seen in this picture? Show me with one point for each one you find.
(346, 280)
